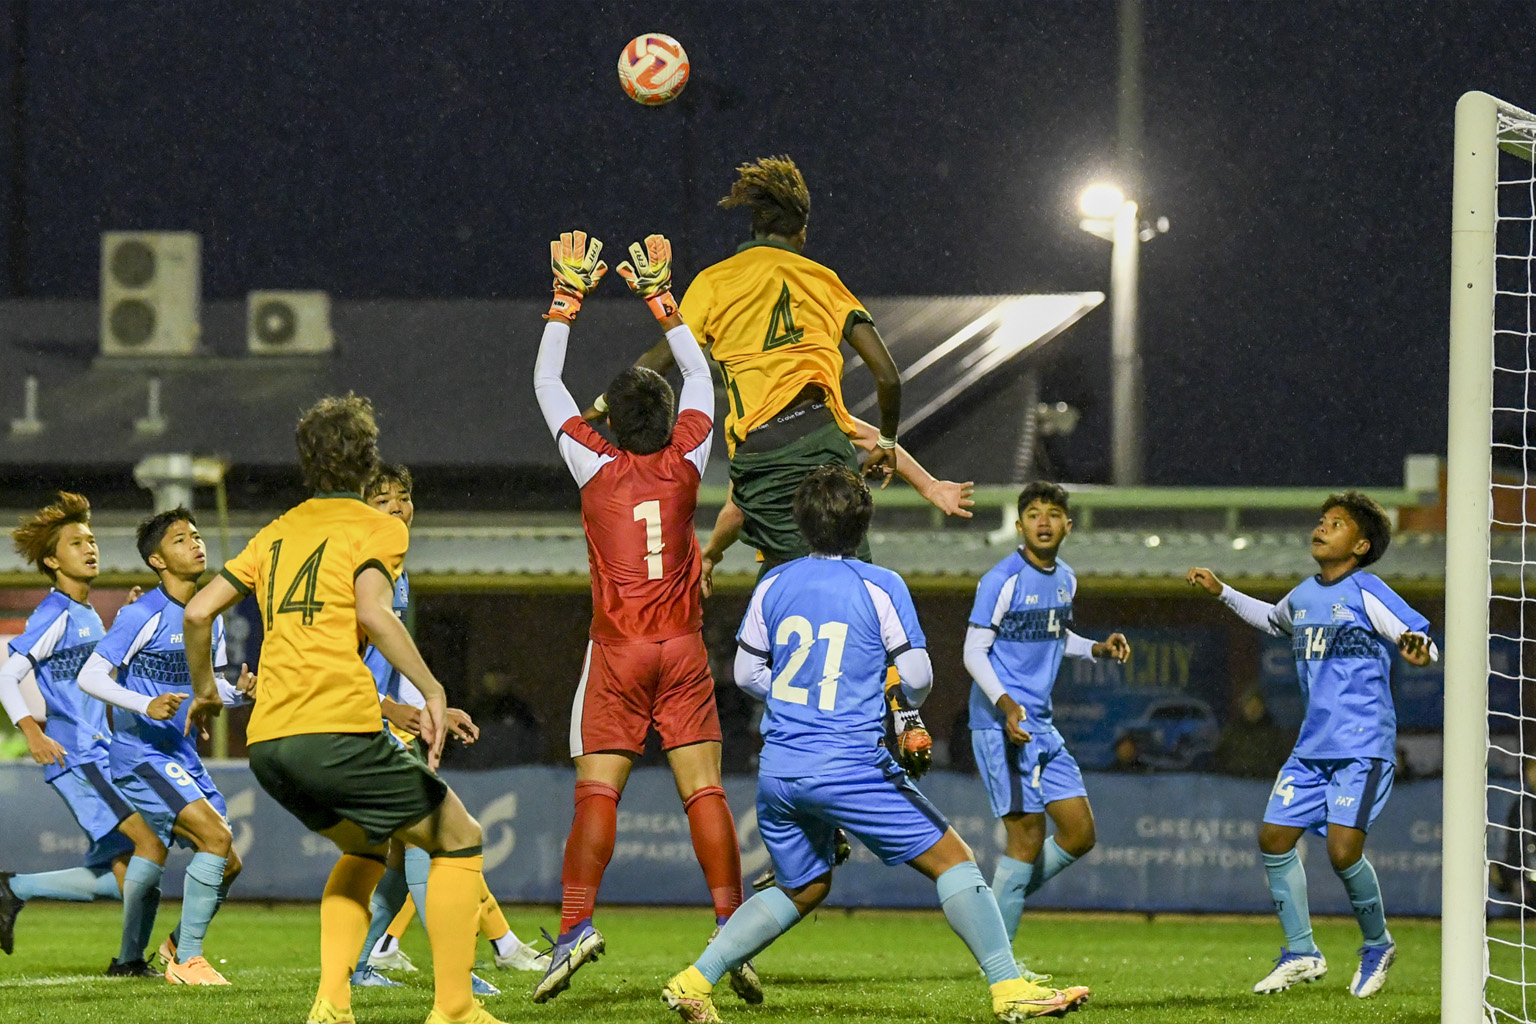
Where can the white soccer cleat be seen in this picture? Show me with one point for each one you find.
(1291, 968)
(1371, 975)
(523, 958)
(394, 960)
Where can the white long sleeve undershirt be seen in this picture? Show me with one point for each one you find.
(98, 679)
(755, 675)
(12, 673)
(978, 645)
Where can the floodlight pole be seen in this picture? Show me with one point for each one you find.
(1125, 356)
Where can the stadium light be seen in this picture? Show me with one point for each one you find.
(1110, 215)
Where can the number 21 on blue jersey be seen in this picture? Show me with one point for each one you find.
(797, 630)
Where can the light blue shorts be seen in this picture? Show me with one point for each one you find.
(880, 807)
(98, 806)
(1023, 779)
(161, 787)
(1312, 793)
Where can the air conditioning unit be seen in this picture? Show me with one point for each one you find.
(151, 292)
(288, 323)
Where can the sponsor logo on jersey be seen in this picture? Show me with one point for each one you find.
(1299, 615)
(1342, 614)
(1031, 598)
(1061, 594)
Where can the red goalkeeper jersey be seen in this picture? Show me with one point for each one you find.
(638, 511)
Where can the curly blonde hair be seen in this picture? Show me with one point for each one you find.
(774, 190)
(338, 442)
(37, 536)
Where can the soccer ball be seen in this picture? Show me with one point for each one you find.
(653, 69)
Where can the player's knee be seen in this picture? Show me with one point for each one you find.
(1274, 841)
(1079, 840)
(1343, 854)
(809, 896)
(148, 845)
(232, 864)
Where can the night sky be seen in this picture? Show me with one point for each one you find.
(1294, 319)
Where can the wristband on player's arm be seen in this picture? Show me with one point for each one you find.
(600, 403)
(565, 304)
(888, 443)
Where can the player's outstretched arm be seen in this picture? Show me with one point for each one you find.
(197, 635)
(97, 679)
(866, 341)
(1274, 619)
(1115, 646)
(376, 614)
(949, 497)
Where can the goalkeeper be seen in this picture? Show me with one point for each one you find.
(1018, 633)
(813, 645)
(774, 319)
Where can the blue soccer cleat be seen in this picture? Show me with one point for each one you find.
(368, 977)
(1371, 975)
(480, 987)
(578, 946)
(1289, 969)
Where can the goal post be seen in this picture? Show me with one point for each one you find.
(1488, 285)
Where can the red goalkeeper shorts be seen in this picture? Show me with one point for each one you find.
(627, 688)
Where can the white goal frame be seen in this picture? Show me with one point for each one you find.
(1468, 577)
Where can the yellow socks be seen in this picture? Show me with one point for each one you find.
(453, 913)
(493, 923)
(344, 924)
(402, 920)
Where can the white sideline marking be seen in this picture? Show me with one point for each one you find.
(76, 979)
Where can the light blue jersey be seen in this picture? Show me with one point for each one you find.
(1029, 611)
(60, 636)
(827, 627)
(385, 676)
(145, 646)
(1344, 635)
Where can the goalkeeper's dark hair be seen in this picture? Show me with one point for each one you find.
(832, 508)
(774, 190)
(397, 473)
(640, 405)
(36, 538)
(1374, 523)
(153, 530)
(1044, 490)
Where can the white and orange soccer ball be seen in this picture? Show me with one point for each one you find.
(653, 69)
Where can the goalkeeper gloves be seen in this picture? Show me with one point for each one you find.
(914, 745)
(650, 275)
(574, 259)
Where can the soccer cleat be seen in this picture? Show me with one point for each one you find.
(744, 980)
(1019, 1000)
(326, 1012)
(480, 987)
(1289, 969)
(523, 958)
(1371, 975)
(478, 1015)
(131, 969)
(10, 906)
(394, 960)
(689, 993)
(196, 971)
(166, 954)
(369, 977)
(576, 947)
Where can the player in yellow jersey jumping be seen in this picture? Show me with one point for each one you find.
(324, 575)
(774, 319)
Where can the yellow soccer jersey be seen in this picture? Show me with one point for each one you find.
(773, 320)
(301, 567)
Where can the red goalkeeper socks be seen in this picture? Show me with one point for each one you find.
(714, 843)
(588, 849)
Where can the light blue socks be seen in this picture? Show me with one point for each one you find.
(387, 900)
(141, 899)
(1365, 898)
(1288, 888)
(200, 900)
(750, 930)
(972, 912)
(418, 864)
(1009, 883)
(1053, 860)
(78, 885)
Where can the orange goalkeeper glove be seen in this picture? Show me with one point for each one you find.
(650, 275)
(574, 259)
(914, 745)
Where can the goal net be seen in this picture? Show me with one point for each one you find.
(1489, 828)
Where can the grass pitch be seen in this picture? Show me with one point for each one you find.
(835, 967)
